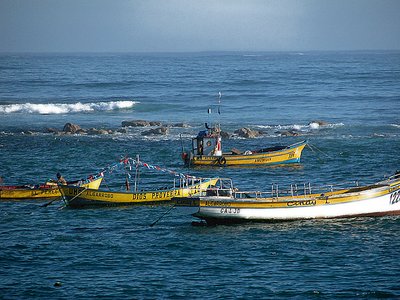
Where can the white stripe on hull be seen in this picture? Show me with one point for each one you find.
(379, 206)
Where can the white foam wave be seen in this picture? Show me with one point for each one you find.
(65, 108)
(312, 125)
(395, 125)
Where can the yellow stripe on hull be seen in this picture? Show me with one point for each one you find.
(380, 199)
(80, 197)
(50, 191)
(295, 201)
(291, 155)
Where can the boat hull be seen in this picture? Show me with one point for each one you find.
(291, 154)
(44, 191)
(79, 197)
(378, 200)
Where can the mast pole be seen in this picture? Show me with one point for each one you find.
(137, 173)
(219, 111)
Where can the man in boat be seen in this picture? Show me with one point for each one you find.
(60, 179)
(200, 148)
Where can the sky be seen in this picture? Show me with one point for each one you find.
(198, 25)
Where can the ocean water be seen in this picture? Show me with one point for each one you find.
(56, 252)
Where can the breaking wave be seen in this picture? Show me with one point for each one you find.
(312, 125)
(65, 108)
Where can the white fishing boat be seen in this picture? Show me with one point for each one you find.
(225, 204)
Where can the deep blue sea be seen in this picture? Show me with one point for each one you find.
(114, 253)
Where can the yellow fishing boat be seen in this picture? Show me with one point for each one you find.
(47, 190)
(207, 151)
(78, 197)
(225, 204)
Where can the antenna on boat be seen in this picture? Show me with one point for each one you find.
(210, 110)
(137, 173)
(219, 109)
(183, 149)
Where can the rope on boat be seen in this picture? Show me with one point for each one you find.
(127, 162)
(131, 165)
(314, 149)
(77, 195)
(167, 211)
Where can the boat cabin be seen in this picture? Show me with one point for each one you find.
(208, 143)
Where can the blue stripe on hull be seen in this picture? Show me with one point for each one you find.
(295, 160)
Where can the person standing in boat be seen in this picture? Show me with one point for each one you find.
(60, 179)
(217, 150)
(200, 148)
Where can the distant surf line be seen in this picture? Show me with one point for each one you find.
(65, 108)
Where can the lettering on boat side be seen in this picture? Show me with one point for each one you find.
(100, 194)
(230, 210)
(193, 192)
(302, 203)
(260, 160)
(45, 192)
(141, 196)
(216, 203)
(165, 195)
(395, 197)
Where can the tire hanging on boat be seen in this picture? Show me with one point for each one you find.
(222, 161)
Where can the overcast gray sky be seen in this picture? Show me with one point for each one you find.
(198, 25)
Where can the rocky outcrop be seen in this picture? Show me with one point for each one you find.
(317, 123)
(156, 131)
(140, 123)
(95, 131)
(225, 135)
(122, 130)
(247, 133)
(181, 125)
(288, 133)
(71, 128)
(51, 130)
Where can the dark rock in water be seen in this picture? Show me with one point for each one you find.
(181, 125)
(247, 133)
(51, 130)
(122, 130)
(57, 284)
(288, 133)
(94, 131)
(140, 123)
(71, 128)
(225, 135)
(135, 123)
(317, 123)
(81, 131)
(157, 131)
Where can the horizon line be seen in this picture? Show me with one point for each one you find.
(196, 51)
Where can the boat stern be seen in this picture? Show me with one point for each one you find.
(189, 205)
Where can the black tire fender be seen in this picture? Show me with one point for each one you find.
(222, 161)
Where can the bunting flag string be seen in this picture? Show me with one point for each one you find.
(127, 162)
